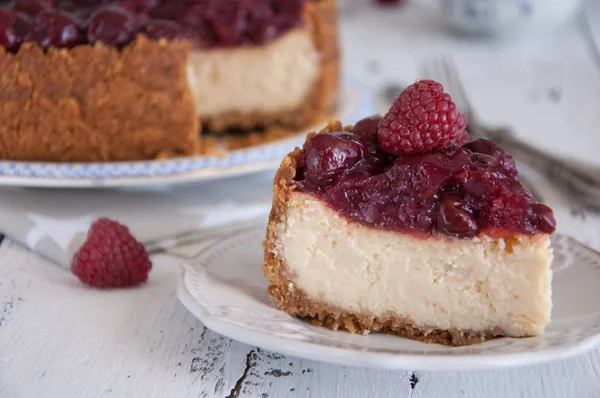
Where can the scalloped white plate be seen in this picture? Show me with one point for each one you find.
(225, 288)
(356, 102)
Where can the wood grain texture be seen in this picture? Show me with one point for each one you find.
(59, 339)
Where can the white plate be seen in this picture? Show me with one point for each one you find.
(356, 102)
(225, 288)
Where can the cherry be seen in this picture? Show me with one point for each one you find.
(289, 7)
(71, 4)
(52, 28)
(510, 212)
(488, 147)
(13, 29)
(366, 129)
(112, 26)
(260, 26)
(374, 161)
(137, 7)
(545, 218)
(172, 10)
(226, 23)
(484, 146)
(328, 156)
(30, 7)
(454, 219)
(227, 20)
(419, 177)
(483, 161)
(159, 29)
(81, 9)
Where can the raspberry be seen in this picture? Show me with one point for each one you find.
(423, 118)
(111, 257)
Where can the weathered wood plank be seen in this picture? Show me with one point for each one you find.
(58, 338)
(578, 377)
(275, 375)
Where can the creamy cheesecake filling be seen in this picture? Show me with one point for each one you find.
(475, 284)
(262, 79)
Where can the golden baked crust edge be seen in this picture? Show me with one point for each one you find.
(95, 103)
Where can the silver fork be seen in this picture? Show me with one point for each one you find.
(581, 186)
(166, 243)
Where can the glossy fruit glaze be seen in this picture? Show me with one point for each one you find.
(462, 191)
(207, 23)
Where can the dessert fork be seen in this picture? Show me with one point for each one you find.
(166, 243)
(582, 186)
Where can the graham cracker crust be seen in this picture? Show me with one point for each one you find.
(95, 103)
(295, 301)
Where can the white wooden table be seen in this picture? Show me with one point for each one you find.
(59, 339)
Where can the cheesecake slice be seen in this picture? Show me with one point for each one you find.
(119, 80)
(439, 245)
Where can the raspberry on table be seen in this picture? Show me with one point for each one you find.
(421, 119)
(111, 257)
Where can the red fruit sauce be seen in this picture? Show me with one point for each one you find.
(463, 191)
(207, 23)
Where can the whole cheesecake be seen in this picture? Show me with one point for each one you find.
(400, 224)
(109, 80)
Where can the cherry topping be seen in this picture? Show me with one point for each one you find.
(227, 19)
(30, 7)
(172, 10)
(460, 191)
(454, 218)
(486, 147)
(207, 23)
(288, 7)
(328, 156)
(137, 7)
(81, 9)
(13, 29)
(112, 26)
(158, 29)
(366, 129)
(260, 26)
(545, 218)
(53, 28)
(490, 148)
